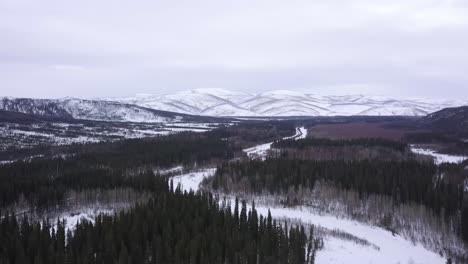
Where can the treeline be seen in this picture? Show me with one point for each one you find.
(248, 133)
(173, 227)
(446, 143)
(464, 221)
(44, 181)
(404, 181)
(429, 137)
(344, 149)
(43, 191)
(324, 142)
(160, 151)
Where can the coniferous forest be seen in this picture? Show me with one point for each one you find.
(172, 227)
(408, 181)
(404, 180)
(43, 182)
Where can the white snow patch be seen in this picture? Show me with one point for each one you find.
(303, 132)
(258, 151)
(73, 219)
(192, 180)
(439, 158)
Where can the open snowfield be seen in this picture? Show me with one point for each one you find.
(391, 249)
(73, 219)
(439, 158)
(192, 180)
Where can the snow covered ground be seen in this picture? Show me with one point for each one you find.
(260, 151)
(439, 158)
(391, 249)
(387, 249)
(51, 133)
(72, 219)
(191, 181)
(303, 132)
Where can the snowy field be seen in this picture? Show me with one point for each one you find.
(72, 219)
(387, 249)
(192, 180)
(439, 158)
(391, 249)
(260, 151)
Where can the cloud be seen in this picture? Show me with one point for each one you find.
(123, 47)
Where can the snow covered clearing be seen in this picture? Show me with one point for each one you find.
(439, 158)
(260, 151)
(191, 181)
(388, 249)
(73, 219)
(391, 249)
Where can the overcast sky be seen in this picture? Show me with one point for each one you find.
(92, 48)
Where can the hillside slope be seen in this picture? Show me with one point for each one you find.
(70, 108)
(453, 120)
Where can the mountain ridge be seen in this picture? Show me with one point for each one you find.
(221, 102)
(210, 105)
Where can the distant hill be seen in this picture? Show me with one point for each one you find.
(453, 120)
(96, 110)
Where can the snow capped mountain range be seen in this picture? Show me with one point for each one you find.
(220, 102)
(204, 104)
